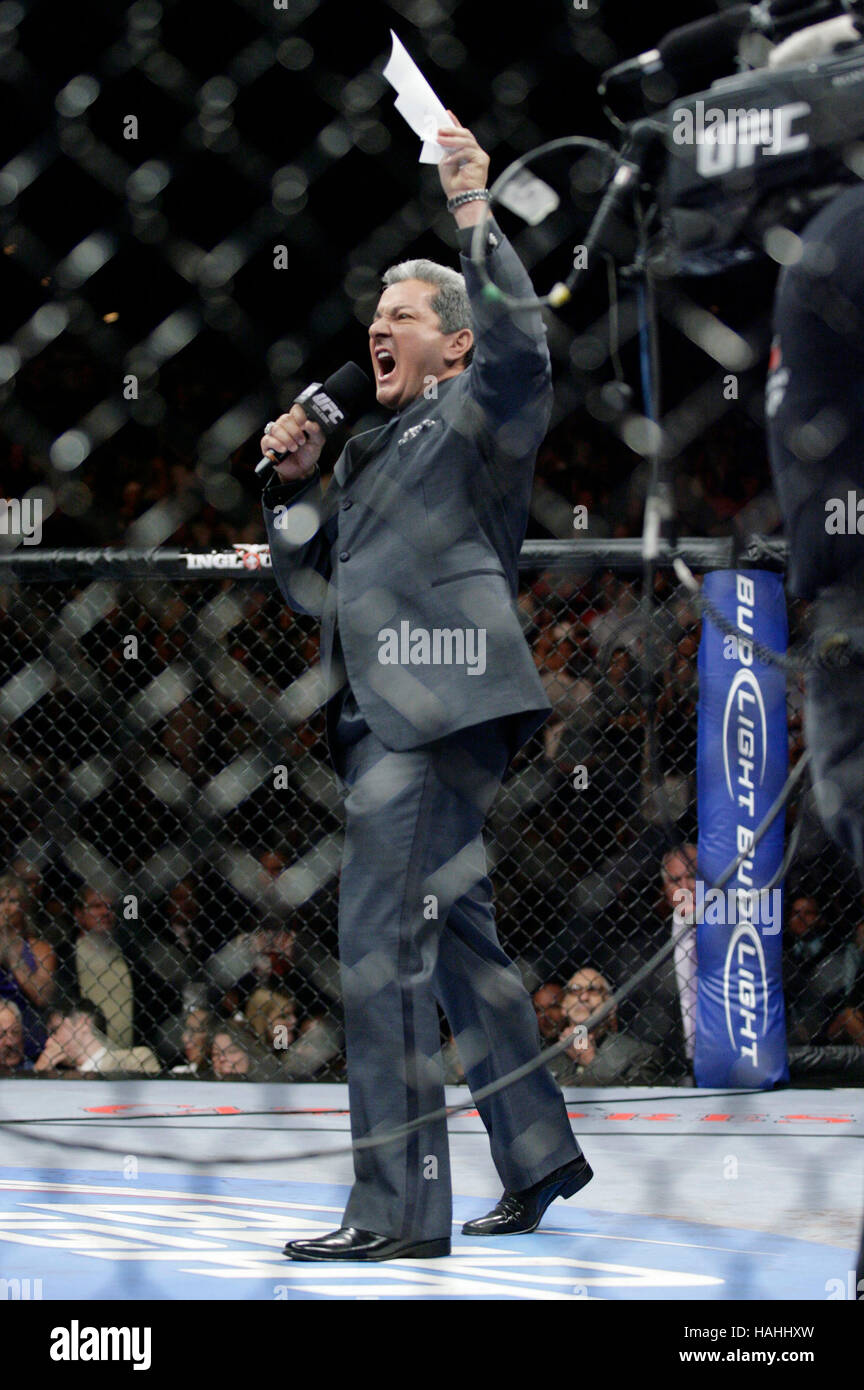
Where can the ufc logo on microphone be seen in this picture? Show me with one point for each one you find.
(329, 409)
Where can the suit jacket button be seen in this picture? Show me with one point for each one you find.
(345, 554)
(346, 505)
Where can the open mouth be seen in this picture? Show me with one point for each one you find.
(385, 364)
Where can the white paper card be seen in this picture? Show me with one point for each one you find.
(416, 102)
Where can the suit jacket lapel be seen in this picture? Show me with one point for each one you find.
(358, 451)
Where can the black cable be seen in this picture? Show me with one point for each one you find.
(836, 653)
(788, 857)
(614, 318)
(168, 1114)
(560, 293)
(134, 1122)
(657, 509)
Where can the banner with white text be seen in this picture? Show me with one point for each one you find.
(742, 765)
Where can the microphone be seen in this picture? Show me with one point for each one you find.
(780, 17)
(705, 43)
(697, 54)
(617, 201)
(331, 404)
(702, 50)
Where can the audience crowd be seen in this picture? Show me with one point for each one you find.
(132, 940)
(222, 972)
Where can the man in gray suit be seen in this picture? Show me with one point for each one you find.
(410, 559)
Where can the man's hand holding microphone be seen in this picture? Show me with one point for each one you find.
(299, 439)
(292, 444)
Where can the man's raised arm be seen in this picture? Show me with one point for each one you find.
(511, 371)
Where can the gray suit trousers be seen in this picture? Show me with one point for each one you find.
(416, 926)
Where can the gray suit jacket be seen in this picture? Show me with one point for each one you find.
(620, 1059)
(420, 531)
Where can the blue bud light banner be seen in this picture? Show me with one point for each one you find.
(743, 752)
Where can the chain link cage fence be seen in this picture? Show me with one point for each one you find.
(196, 211)
(172, 827)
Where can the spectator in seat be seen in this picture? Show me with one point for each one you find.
(198, 1027)
(165, 958)
(603, 1057)
(547, 1006)
(233, 1055)
(275, 957)
(98, 969)
(79, 1046)
(848, 1025)
(318, 1043)
(27, 964)
(12, 1057)
(295, 1053)
(678, 871)
(814, 974)
(621, 625)
(43, 908)
(272, 1017)
(247, 958)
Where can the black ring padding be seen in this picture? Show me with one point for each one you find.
(38, 565)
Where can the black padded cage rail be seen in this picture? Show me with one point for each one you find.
(171, 826)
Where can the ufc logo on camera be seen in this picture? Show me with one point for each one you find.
(728, 139)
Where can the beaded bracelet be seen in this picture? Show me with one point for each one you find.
(472, 196)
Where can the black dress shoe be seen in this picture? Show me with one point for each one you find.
(520, 1212)
(351, 1244)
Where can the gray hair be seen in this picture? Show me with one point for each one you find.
(450, 301)
(12, 1007)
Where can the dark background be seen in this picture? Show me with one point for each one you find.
(259, 127)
